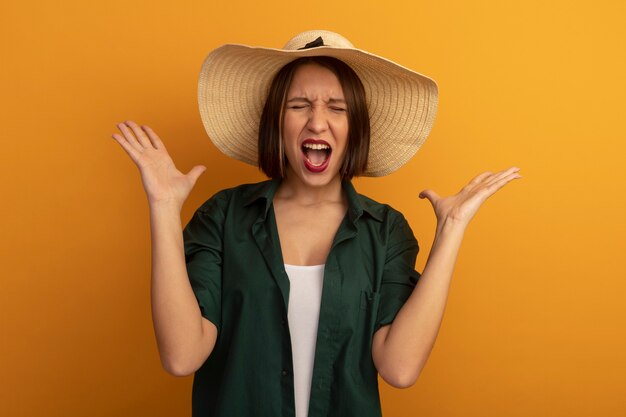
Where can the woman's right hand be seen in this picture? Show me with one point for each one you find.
(164, 184)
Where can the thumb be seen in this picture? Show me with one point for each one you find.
(430, 195)
(195, 172)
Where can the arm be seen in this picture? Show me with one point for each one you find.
(400, 350)
(184, 338)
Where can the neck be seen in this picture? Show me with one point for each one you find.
(294, 189)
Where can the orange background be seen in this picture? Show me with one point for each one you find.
(535, 323)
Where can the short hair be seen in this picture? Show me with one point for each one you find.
(271, 154)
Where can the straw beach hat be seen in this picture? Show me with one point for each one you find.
(235, 80)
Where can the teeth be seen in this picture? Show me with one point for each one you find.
(316, 146)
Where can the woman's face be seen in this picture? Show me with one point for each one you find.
(315, 126)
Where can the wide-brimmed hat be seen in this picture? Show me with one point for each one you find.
(235, 80)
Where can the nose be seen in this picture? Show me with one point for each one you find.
(318, 121)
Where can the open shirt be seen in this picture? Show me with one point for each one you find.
(235, 266)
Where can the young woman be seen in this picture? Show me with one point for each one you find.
(290, 296)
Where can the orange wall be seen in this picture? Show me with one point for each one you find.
(535, 319)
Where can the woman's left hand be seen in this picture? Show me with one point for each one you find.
(460, 208)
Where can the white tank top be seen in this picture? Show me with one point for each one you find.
(303, 311)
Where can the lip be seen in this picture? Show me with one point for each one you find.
(307, 164)
(316, 142)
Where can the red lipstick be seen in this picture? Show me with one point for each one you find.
(309, 165)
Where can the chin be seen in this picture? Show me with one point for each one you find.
(316, 179)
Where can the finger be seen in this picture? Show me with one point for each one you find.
(430, 195)
(495, 186)
(502, 174)
(132, 152)
(195, 172)
(478, 178)
(154, 138)
(130, 137)
(141, 136)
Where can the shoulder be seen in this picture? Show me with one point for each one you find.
(380, 211)
(242, 193)
(390, 223)
(228, 208)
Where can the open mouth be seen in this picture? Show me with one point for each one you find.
(316, 154)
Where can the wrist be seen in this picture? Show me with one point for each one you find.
(451, 225)
(165, 206)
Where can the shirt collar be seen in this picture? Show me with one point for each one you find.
(264, 191)
(357, 204)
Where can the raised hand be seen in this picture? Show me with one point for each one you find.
(462, 207)
(163, 183)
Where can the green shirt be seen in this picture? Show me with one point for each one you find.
(237, 273)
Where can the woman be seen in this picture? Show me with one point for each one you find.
(290, 296)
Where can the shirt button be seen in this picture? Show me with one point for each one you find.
(285, 372)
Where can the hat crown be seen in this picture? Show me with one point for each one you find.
(329, 38)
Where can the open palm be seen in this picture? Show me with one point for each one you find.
(162, 182)
(462, 206)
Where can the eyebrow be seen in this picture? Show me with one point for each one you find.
(332, 100)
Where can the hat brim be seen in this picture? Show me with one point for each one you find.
(235, 79)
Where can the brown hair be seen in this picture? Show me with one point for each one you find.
(272, 160)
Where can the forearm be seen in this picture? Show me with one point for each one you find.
(411, 336)
(175, 311)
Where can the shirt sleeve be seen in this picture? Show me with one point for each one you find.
(203, 242)
(399, 275)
